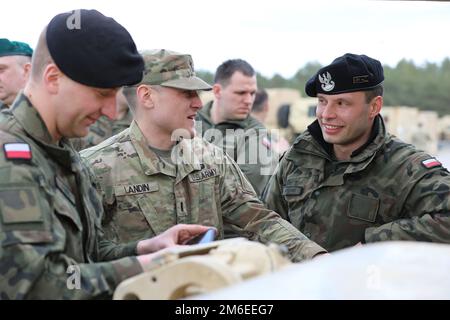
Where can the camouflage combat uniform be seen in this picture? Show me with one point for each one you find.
(144, 195)
(384, 192)
(258, 172)
(101, 130)
(50, 218)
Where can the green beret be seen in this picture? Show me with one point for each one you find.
(14, 48)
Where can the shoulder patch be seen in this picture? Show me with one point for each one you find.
(17, 151)
(431, 163)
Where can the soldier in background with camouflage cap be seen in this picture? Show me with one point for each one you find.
(50, 213)
(15, 58)
(157, 173)
(346, 180)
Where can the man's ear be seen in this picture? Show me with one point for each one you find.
(217, 90)
(51, 78)
(145, 94)
(375, 106)
(27, 70)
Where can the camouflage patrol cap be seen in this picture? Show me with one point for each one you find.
(348, 73)
(171, 69)
(14, 48)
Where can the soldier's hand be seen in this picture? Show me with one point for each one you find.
(176, 235)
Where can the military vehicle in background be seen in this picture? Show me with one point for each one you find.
(444, 128)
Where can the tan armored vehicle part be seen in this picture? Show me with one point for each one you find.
(191, 270)
(412, 125)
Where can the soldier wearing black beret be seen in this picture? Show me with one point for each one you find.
(346, 180)
(52, 244)
(15, 58)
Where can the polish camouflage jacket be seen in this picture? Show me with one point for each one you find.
(101, 130)
(51, 242)
(144, 196)
(388, 190)
(249, 145)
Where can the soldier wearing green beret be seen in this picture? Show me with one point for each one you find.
(15, 64)
(346, 180)
(226, 121)
(51, 242)
(156, 173)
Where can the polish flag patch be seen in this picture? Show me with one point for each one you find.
(17, 151)
(431, 163)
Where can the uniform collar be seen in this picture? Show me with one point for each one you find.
(151, 163)
(243, 124)
(376, 138)
(149, 160)
(30, 120)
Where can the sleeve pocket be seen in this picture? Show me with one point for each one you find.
(26, 237)
(21, 216)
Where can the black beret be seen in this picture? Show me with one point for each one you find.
(94, 50)
(348, 73)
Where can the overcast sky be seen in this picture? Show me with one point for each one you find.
(276, 36)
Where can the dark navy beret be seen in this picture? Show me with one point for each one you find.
(94, 50)
(348, 73)
(14, 48)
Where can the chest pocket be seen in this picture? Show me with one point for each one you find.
(134, 215)
(363, 208)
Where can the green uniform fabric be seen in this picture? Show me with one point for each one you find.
(257, 172)
(144, 195)
(101, 130)
(384, 192)
(50, 218)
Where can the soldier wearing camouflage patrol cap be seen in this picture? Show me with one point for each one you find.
(51, 242)
(15, 58)
(346, 180)
(158, 173)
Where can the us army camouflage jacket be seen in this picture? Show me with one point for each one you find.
(256, 160)
(384, 192)
(101, 130)
(49, 236)
(144, 197)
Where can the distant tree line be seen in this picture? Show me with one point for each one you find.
(426, 87)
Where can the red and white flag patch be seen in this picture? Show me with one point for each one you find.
(431, 163)
(17, 151)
